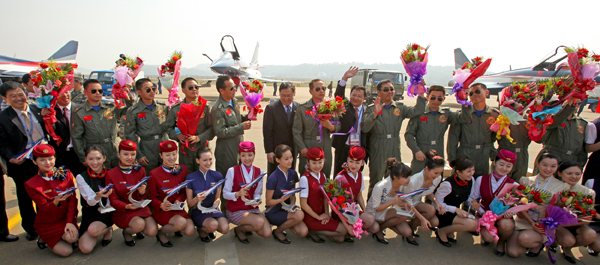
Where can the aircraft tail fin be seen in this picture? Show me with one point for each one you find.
(459, 58)
(66, 53)
(254, 61)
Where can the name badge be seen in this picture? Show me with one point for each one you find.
(155, 137)
(433, 142)
(389, 136)
(517, 150)
(535, 215)
(212, 184)
(354, 139)
(478, 147)
(47, 191)
(318, 138)
(166, 181)
(123, 182)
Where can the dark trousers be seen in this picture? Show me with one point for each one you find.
(70, 160)
(3, 217)
(23, 173)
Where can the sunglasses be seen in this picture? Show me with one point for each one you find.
(387, 89)
(151, 89)
(436, 98)
(319, 88)
(233, 88)
(478, 91)
(96, 90)
(194, 87)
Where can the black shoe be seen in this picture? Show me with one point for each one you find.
(316, 240)
(445, 244)
(248, 233)
(414, 242)
(140, 235)
(380, 240)
(474, 233)
(105, 242)
(484, 243)
(282, 241)
(383, 231)
(205, 239)
(498, 253)
(128, 243)
(531, 254)
(551, 248)
(179, 234)
(349, 240)
(245, 241)
(571, 260)
(75, 245)
(167, 244)
(9, 238)
(592, 252)
(213, 236)
(30, 236)
(41, 244)
(452, 240)
(416, 235)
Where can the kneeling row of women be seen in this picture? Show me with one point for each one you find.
(57, 214)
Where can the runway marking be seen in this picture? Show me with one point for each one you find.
(221, 251)
(14, 221)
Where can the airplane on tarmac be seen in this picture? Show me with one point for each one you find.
(14, 67)
(230, 63)
(552, 65)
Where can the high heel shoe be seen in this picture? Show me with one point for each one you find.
(140, 235)
(316, 240)
(571, 260)
(167, 244)
(452, 240)
(105, 242)
(41, 244)
(179, 234)
(414, 242)
(213, 236)
(592, 252)
(498, 253)
(282, 241)
(244, 241)
(484, 243)
(445, 244)
(128, 243)
(531, 254)
(380, 240)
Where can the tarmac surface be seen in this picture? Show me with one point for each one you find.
(227, 250)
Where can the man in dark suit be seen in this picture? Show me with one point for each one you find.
(65, 154)
(277, 124)
(20, 126)
(350, 121)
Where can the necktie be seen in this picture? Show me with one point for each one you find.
(357, 119)
(35, 133)
(288, 111)
(67, 118)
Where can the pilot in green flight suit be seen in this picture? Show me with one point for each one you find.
(475, 137)
(306, 129)
(427, 131)
(204, 131)
(383, 123)
(144, 120)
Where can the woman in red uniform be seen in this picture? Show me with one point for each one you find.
(314, 203)
(169, 175)
(351, 174)
(248, 218)
(127, 216)
(56, 220)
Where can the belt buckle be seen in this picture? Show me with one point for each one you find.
(433, 143)
(569, 152)
(155, 137)
(477, 146)
(517, 150)
(318, 138)
(389, 136)
(106, 140)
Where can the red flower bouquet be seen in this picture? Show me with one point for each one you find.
(168, 74)
(577, 204)
(328, 109)
(584, 69)
(188, 117)
(342, 203)
(253, 94)
(414, 59)
(126, 71)
(466, 75)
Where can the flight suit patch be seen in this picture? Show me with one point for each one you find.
(424, 119)
(109, 114)
(161, 113)
(228, 112)
(142, 116)
(397, 112)
(443, 118)
(490, 120)
(88, 118)
(580, 129)
(563, 125)
(308, 113)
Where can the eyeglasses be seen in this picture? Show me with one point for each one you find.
(478, 91)
(233, 88)
(94, 91)
(437, 98)
(194, 87)
(317, 89)
(387, 89)
(151, 89)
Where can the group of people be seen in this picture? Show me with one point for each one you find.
(94, 158)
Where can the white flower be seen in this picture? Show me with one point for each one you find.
(586, 60)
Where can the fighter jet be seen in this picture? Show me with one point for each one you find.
(13, 67)
(230, 63)
(552, 65)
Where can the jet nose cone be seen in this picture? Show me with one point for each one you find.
(222, 67)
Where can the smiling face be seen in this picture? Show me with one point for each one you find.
(502, 167)
(16, 98)
(147, 92)
(571, 175)
(286, 160)
(548, 167)
(286, 96)
(386, 97)
(64, 99)
(205, 161)
(357, 97)
(354, 165)
(95, 160)
(466, 174)
(127, 157)
(228, 93)
(433, 173)
(401, 181)
(316, 166)
(45, 163)
(247, 158)
(169, 158)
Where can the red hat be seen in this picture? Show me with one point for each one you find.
(127, 145)
(43, 150)
(246, 147)
(507, 156)
(357, 153)
(167, 146)
(315, 153)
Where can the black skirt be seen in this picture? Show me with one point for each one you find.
(445, 219)
(90, 215)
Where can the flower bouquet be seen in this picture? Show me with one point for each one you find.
(326, 110)
(341, 201)
(584, 68)
(49, 81)
(541, 110)
(514, 100)
(576, 204)
(253, 94)
(414, 59)
(187, 120)
(466, 75)
(555, 216)
(126, 71)
(168, 74)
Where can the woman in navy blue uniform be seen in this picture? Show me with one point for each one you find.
(202, 180)
(283, 178)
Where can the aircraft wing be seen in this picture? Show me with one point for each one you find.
(272, 80)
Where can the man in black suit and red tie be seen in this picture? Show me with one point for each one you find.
(349, 122)
(21, 125)
(65, 154)
(277, 124)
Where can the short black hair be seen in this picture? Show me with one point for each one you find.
(479, 85)
(221, 81)
(358, 87)
(436, 88)
(383, 82)
(286, 85)
(187, 79)
(140, 82)
(78, 80)
(26, 78)
(9, 86)
(87, 83)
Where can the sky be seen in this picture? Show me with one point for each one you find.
(514, 33)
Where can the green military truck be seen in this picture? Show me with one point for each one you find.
(369, 78)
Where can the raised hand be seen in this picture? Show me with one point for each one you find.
(350, 73)
(378, 106)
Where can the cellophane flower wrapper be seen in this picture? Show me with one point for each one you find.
(414, 58)
(252, 92)
(168, 74)
(122, 78)
(555, 216)
(466, 76)
(340, 199)
(187, 119)
(584, 68)
(326, 110)
(49, 82)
